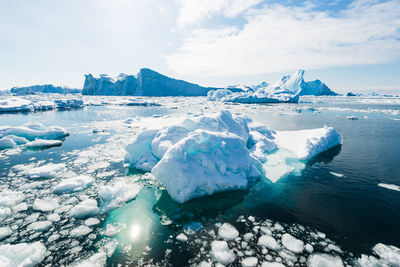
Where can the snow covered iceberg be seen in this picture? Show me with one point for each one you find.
(146, 83)
(32, 135)
(209, 154)
(38, 103)
(286, 90)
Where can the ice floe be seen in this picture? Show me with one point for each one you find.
(46, 171)
(45, 204)
(22, 254)
(204, 155)
(73, 184)
(390, 186)
(115, 195)
(85, 208)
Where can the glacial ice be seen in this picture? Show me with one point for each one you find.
(291, 243)
(324, 260)
(46, 171)
(222, 253)
(286, 90)
(73, 184)
(115, 195)
(32, 135)
(22, 254)
(46, 88)
(38, 103)
(228, 232)
(203, 155)
(40, 226)
(86, 208)
(45, 204)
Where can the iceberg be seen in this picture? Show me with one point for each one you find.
(46, 88)
(205, 155)
(38, 103)
(31, 135)
(146, 83)
(286, 90)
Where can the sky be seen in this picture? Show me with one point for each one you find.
(349, 45)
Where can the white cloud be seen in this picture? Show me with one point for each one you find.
(194, 11)
(278, 38)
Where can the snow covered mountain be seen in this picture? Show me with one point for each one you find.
(146, 83)
(46, 88)
(286, 90)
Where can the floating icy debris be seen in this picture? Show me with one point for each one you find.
(97, 260)
(38, 103)
(47, 171)
(85, 208)
(222, 253)
(181, 237)
(4, 213)
(271, 264)
(41, 143)
(73, 184)
(80, 231)
(324, 260)
(9, 198)
(228, 232)
(111, 230)
(337, 174)
(92, 221)
(114, 196)
(40, 226)
(5, 232)
(306, 144)
(268, 242)
(46, 204)
(291, 243)
(53, 217)
(249, 262)
(353, 118)
(205, 155)
(390, 186)
(22, 254)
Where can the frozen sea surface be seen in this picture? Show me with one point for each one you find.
(79, 203)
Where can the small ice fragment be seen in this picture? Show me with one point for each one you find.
(46, 204)
(80, 231)
(40, 226)
(47, 171)
(85, 208)
(268, 242)
(390, 186)
(337, 174)
(228, 232)
(4, 232)
(114, 196)
(249, 262)
(111, 230)
(41, 143)
(73, 184)
(271, 264)
(221, 252)
(92, 221)
(291, 243)
(181, 237)
(324, 260)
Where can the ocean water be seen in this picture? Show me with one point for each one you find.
(337, 194)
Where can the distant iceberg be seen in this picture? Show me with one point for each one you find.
(46, 88)
(38, 103)
(146, 83)
(286, 90)
(209, 154)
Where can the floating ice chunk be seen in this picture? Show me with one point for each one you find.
(281, 163)
(73, 184)
(41, 143)
(80, 231)
(205, 163)
(97, 260)
(9, 198)
(306, 144)
(221, 252)
(5, 232)
(111, 230)
(337, 174)
(114, 196)
(47, 171)
(271, 264)
(388, 254)
(20, 207)
(181, 237)
(92, 221)
(353, 118)
(268, 242)
(33, 131)
(40, 226)
(84, 209)
(390, 186)
(53, 217)
(46, 204)
(309, 248)
(4, 213)
(22, 254)
(324, 260)
(228, 232)
(249, 262)
(291, 243)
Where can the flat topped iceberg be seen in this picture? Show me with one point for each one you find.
(32, 135)
(45, 88)
(38, 103)
(205, 155)
(287, 90)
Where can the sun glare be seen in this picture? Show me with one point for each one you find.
(134, 231)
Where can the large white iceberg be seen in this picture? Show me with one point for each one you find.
(209, 154)
(146, 83)
(45, 88)
(286, 90)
